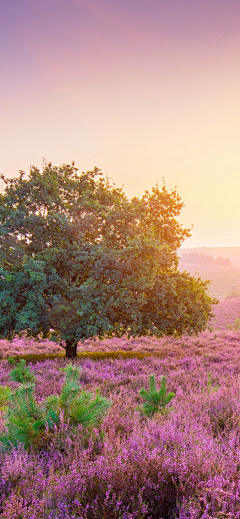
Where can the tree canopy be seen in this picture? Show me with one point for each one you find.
(79, 260)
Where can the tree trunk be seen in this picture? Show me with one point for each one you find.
(71, 349)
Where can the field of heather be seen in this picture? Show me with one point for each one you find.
(222, 325)
(184, 464)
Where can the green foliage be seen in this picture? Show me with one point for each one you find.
(22, 373)
(5, 393)
(81, 407)
(79, 260)
(88, 410)
(71, 388)
(210, 387)
(27, 420)
(11, 360)
(156, 401)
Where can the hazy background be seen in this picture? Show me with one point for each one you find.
(139, 88)
(220, 265)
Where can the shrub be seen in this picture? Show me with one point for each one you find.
(22, 373)
(156, 401)
(223, 413)
(27, 420)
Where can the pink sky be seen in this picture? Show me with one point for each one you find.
(141, 89)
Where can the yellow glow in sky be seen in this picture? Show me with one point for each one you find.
(142, 90)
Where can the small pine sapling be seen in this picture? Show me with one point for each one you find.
(156, 401)
(88, 410)
(80, 406)
(71, 387)
(27, 420)
(22, 373)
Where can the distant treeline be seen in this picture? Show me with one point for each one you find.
(202, 259)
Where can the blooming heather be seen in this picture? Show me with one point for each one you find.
(226, 314)
(185, 464)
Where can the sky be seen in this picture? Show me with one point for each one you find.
(143, 89)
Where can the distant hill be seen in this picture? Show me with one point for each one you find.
(224, 279)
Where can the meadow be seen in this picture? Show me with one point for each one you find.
(184, 463)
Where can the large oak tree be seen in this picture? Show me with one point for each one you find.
(78, 260)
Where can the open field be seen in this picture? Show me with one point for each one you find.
(184, 464)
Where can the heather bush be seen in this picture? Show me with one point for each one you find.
(224, 412)
(226, 313)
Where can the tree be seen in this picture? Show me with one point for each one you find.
(79, 260)
(222, 262)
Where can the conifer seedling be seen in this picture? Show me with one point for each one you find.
(156, 400)
(26, 420)
(22, 373)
